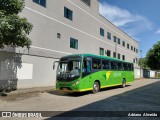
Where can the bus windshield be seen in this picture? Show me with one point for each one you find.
(69, 69)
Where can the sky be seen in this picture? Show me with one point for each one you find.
(138, 18)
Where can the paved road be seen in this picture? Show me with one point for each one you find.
(142, 95)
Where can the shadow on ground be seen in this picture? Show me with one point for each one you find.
(146, 98)
(79, 94)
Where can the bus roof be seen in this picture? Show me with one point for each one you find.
(97, 56)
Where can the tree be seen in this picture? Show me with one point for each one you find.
(14, 30)
(153, 57)
(143, 63)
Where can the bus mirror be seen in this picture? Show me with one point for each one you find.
(54, 64)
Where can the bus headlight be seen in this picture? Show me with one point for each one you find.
(76, 83)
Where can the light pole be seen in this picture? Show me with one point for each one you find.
(140, 63)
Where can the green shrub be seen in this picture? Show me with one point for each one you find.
(158, 75)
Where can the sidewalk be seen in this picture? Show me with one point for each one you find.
(29, 90)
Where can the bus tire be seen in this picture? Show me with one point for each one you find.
(123, 83)
(95, 87)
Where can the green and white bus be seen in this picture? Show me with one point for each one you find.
(88, 72)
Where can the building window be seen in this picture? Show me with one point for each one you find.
(40, 2)
(114, 54)
(68, 13)
(119, 56)
(123, 43)
(109, 35)
(87, 2)
(119, 41)
(123, 57)
(136, 50)
(73, 43)
(131, 47)
(102, 32)
(101, 51)
(58, 35)
(108, 53)
(114, 38)
(127, 45)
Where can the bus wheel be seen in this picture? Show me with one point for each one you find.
(123, 83)
(95, 87)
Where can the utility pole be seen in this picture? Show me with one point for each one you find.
(115, 40)
(141, 64)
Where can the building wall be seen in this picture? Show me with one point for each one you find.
(149, 73)
(85, 26)
(138, 73)
(41, 73)
(47, 48)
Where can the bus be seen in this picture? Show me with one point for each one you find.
(89, 72)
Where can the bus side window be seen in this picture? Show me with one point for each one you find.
(130, 66)
(105, 65)
(109, 65)
(120, 66)
(125, 66)
(86, 67)
(114, 65)
(96, 63)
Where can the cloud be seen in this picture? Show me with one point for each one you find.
(116, 15)
(158, 31)
(133, 24)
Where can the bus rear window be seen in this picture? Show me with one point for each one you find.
(130, 66)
